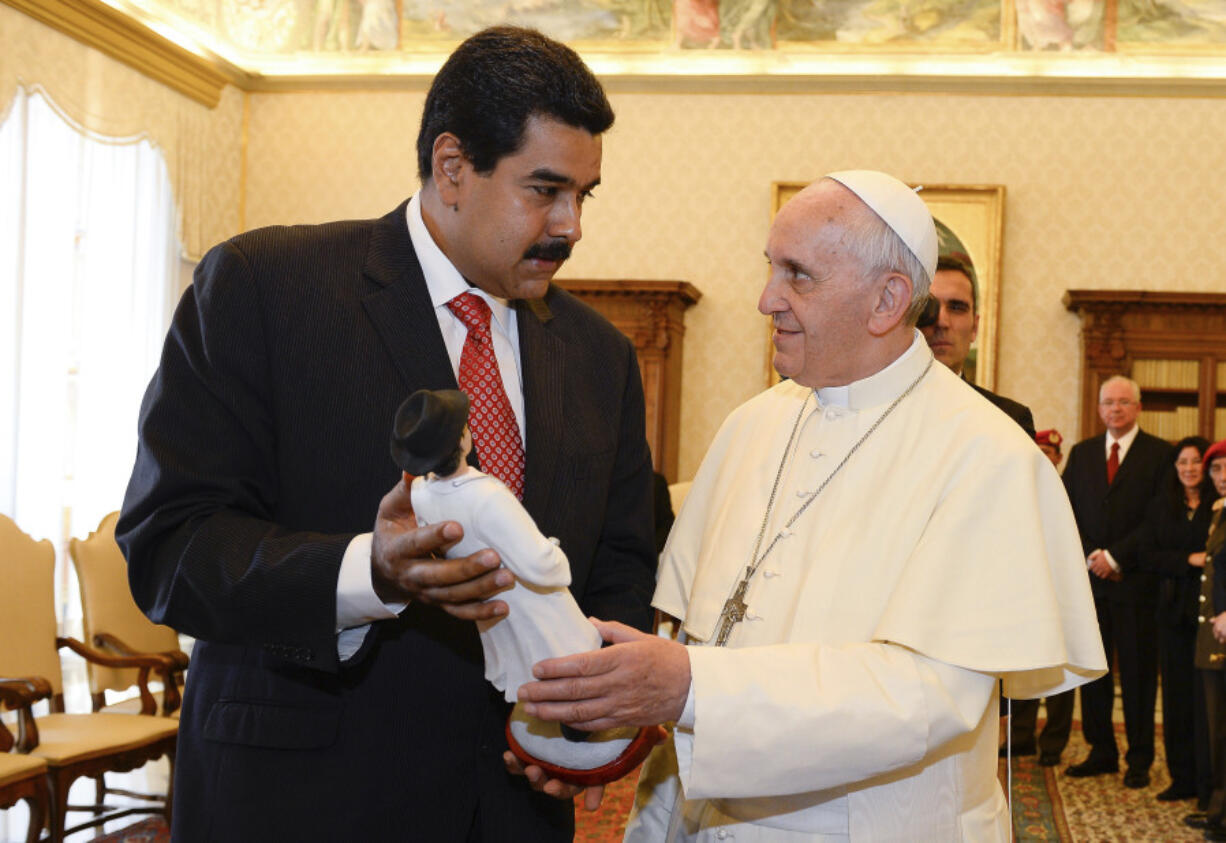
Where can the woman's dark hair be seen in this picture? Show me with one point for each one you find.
(1174, 488)
(497, 79)
(448, 466)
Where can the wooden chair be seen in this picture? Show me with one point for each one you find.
(72, 745)
(113, 623)
(22, 776)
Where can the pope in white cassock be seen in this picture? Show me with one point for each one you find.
(867, 549)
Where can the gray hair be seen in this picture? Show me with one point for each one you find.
(881, 250)
(1133, 385)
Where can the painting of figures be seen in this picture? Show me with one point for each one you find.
(341, 28)
(1171, 23)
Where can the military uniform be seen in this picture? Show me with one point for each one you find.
(1211, 657)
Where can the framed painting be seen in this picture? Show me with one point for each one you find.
(976, 215)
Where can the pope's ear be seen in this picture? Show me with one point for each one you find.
(448, 167)
(893, 300)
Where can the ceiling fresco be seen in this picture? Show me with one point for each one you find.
(371, 33)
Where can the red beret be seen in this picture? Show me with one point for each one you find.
(1217, 449)
(1049, 437)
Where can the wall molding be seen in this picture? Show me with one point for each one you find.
(119, 36)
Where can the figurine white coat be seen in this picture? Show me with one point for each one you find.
(543, 620)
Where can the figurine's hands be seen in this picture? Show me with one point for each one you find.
(642, 680)
(540, 781)
(404, 565)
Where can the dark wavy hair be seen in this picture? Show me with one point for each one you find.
(1174, 488)
(497, 79)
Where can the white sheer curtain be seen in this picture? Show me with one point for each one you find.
(88, 274)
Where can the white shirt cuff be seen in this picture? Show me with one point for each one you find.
(356, 601)
(1115, 566)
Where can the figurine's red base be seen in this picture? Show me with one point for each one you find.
(631, 757)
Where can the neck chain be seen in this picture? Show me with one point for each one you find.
(735, 606)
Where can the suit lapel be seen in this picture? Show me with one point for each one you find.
(1128, 465)
(400, 307)
(543, 362)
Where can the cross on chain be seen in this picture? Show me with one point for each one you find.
(734, 611)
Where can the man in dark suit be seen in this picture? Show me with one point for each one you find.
(1110, 480)
(337, 689)
(956, 290)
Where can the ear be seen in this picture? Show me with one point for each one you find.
(449, 167)
(892, 302)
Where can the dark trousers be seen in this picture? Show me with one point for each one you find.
(1215, 705)
(1130, 632)
(1054, 737)
(1176, 651)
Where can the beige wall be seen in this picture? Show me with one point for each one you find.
(1102, 192)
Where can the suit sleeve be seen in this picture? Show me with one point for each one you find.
(205, 554)
(1070, 477)
(623, 574)
(1125, 549)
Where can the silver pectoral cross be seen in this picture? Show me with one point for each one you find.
(734, 611)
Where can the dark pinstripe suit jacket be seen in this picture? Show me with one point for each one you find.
(264, 450)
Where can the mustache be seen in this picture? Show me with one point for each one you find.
(553, 250)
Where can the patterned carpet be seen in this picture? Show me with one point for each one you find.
(1047, 806)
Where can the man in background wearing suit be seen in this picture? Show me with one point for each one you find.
(956, 289)
(1110, 480)
(337, 689)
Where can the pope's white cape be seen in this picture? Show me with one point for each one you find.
(942, 556)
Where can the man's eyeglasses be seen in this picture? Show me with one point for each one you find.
(1117, 402)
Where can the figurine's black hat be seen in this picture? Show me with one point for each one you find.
(427, 429)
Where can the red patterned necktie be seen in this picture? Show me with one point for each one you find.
(491, 420)
(1113, 462)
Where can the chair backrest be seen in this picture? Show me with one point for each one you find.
(27, 607)
(107, 606)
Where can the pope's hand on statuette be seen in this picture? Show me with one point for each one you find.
(404, 565)
(641, 680)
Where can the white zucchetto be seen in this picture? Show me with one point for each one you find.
(899, 207)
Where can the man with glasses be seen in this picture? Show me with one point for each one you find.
(1110, 479)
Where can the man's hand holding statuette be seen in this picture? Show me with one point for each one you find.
(407, 565)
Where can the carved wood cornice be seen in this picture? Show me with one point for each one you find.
(110, 31)
(1119, 327)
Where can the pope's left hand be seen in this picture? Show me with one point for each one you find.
(642, 680)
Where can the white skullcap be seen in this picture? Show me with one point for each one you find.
(899, 207)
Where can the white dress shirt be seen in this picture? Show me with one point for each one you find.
(1125, 442)
(357, 605)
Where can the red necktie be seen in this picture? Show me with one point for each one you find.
(1113, 462)
(491, 420)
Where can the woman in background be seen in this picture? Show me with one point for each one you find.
(1172, 544)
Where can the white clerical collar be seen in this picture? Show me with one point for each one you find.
(443, 281)
(881, 387)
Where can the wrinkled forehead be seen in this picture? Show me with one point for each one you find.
(823, 213)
